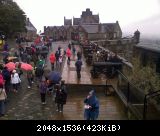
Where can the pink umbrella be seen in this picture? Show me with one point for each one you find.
(26, 66)
(11, 66)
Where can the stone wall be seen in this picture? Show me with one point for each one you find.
(123, 47)
(147, 57)
(94, 36)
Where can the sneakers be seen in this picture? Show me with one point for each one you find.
(32, 82)
(43, 103)
(15, 91)
(29, 87)
(57, 110)
(60, 111)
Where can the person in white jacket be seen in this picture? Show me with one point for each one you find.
(15, 80)
(3, 96)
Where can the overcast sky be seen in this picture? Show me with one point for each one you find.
(52, 12)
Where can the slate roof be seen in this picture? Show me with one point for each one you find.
(149, 46)
(108, 27)
(30, 26)
(91, 28)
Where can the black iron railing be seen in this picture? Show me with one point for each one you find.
(146, 99)
(134, 99)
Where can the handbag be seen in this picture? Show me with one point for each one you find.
(86, 106)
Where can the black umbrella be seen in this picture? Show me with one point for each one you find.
(54, 76)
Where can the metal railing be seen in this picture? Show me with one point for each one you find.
(135, 99)
(147, 98)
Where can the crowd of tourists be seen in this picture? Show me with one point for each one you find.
(29, 62)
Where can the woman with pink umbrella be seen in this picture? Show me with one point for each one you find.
(29, 69)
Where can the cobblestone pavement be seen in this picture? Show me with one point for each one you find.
(26, 104)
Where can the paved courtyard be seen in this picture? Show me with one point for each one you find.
(26, 104)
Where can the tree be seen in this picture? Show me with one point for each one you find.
(144, 78)
(12, 18)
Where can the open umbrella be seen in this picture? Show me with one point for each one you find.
(26, 67)
(54, 76)
(11, 66)
(5, 53)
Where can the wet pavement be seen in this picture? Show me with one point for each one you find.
(26, 104)
(70, 76)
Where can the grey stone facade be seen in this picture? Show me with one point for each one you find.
(86, 27)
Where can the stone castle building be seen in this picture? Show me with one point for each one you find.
(31, 31)
(87, 26)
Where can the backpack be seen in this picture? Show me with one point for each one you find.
(78, 64)
(1, 80)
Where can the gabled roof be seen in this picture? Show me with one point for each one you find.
(76, 21)
(91, 28)
(30, 26)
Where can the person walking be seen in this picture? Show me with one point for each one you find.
(7, 77)
(60, 98)
(1, 79)
(39, 73)
(68, 53)
(60, 62)
(57, 57)
(52, 59)
(3, 96)
(29, 78)
(78, 65)
(15, 80)
(64, 89)
(79, 55)
(91, 107)
(43, 91)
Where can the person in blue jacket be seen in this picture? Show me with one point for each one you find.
(91, 111)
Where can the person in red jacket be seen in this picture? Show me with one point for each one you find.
(1, 79)
(52, 59)
(68, 53)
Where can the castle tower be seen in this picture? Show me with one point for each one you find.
(137, 36)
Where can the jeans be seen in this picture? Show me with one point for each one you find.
(29, 82)
(59, 107)
(52, 66)
(2, 106)
(15, 86)
(7, 86)
(78, 74)
(43, 97)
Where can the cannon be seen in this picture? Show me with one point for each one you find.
(107, 68)
(89, 59)
(87, 51)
